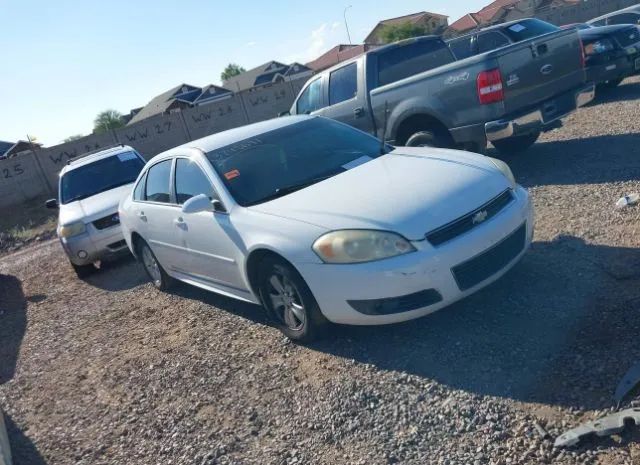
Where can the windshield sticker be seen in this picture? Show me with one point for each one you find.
(517, 28)
(231, 174)
(127, 156)
(357, 162)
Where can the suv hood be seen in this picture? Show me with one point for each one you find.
(410, 191)
(94, 207)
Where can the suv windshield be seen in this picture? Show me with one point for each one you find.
(100, 176)
(282, 161)
(528, 29)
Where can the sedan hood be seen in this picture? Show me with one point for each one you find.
(410, 191)
(94, 207)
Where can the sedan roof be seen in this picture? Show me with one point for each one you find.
(596, 32)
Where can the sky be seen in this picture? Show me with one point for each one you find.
(64, 61)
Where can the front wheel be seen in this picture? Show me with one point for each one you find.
(517, 144)
(289, 301)
(160, 279)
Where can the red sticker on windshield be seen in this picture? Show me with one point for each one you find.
(232, 174)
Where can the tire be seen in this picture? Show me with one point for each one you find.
(83, 271)
(289, 301)
(516, 144)
(429, 138)
(160, 279)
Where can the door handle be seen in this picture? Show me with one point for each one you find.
(358, 112)
(179, 222)
(142, 216)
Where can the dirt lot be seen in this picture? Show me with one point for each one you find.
(111, 371)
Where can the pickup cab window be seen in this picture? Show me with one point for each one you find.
(462, 48)
(407, 60)
(624, 18)
(343, 84)
(311, 99)
(527, 29)
(491, 40)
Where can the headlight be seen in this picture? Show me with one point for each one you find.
(71, 230)
(360, 245)
(504, 168)
(600, 46)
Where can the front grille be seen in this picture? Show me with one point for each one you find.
(107, 221)
(471, 220)
(488, 263)
(628, 37)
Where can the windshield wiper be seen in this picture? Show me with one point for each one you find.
(282, 191)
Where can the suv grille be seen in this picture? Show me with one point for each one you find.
(488, 263)
(107, 221)
(628, 37)
(469, 221)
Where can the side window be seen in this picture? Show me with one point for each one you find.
(491, 41)
(191, 181)
(462, 48)
(311, 99)
(157, 185)
(138, 192)
(602, 22)
(624, 18)
(343, 84)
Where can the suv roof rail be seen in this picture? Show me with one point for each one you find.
(98, 150)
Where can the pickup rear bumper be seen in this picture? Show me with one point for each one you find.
(538, 119)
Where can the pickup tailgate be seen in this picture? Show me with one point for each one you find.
(541, 68)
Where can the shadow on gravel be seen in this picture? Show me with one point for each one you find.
(13, 325)
(118, 275)
(589, 160)
(561, 328)
(624, 92)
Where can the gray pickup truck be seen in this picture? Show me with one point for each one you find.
(416, 93)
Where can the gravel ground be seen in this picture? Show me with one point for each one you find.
(111, 371)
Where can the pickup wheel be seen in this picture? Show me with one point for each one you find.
(516, 144)
(429, 138)
(612, 84)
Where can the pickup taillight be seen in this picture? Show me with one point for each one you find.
(490, 89)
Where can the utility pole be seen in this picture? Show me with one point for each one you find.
(346, 25)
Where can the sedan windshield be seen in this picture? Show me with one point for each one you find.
(100, 176)
(291, 158)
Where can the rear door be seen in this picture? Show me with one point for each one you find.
(538, 69)
(346, 97)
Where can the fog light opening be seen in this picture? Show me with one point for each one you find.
(82, 254)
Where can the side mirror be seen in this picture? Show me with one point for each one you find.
(284, 113)
(197, 204)
(51, 203)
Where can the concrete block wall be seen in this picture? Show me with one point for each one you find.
(32, 175)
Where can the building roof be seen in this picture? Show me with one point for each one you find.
(338, 54)
(161, 103)
(248, 79)
(212, 92)
(465, 23)
(412, 18)
(5, 147)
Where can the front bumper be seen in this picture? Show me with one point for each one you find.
(423, 276)
(94, 245)
(547, 115)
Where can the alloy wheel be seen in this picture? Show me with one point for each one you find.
(286, 302)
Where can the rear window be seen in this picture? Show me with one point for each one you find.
(343, 84)
(462, 48)
(406, 60)
(528, 29)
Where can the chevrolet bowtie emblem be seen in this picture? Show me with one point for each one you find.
(479, 217)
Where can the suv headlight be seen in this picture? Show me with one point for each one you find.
(360, 245)
(71, 230)
(599, 46)
(505, 170)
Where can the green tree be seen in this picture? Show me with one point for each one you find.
(395, 32)
(74, 137)
(106, 121)
(231, 70)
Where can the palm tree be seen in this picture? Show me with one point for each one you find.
(106, 121)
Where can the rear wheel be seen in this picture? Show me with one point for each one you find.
(429, 138)
(289, 301)
(612, 84)
(160, 279)
(516, 144)
(83, 271)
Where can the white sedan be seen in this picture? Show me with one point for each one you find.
(319, 222)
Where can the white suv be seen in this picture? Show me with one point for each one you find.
(89, 192)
